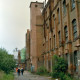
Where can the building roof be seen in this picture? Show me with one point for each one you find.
(36, 2)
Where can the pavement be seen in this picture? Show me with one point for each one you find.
(29, 76)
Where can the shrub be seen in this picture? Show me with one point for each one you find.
(66, 77)
(60, 67)
(41, 70)
(7, 62)
(60, 64)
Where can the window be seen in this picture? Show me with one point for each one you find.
(59, 34)
(66, 33)
(75, 61)
(67, 58)
(58, 12)
(49, 65)
(36, 5)
(54, 20)
(50, 43)
(54, 42)
(73, 4)
(64, 7)
(74, 28)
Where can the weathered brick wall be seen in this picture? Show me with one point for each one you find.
(34, 12)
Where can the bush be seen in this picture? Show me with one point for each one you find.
(41, 70)
(60, 64)
(60, 67)
(7, 62)
(66, 77)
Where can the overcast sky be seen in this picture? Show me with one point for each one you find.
(14, 22)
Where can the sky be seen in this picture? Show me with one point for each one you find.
(14, 22)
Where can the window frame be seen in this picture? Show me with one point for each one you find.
(66, 33)
(59, 35)
(74, 26)
(64, 7)
(58, 14)
(72, 4)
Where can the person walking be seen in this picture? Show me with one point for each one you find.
(18, 71)
(22, 70)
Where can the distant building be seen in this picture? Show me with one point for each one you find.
(28, 63)
(19, 58)
(22, 58)
(15, 53)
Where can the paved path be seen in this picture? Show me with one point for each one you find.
(29, 76)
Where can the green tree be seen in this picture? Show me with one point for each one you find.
(7, 62)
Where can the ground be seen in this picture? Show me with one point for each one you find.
(28, 76)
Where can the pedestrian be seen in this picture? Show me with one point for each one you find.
(18, 71)
(22, 70)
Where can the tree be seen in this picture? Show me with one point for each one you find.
(7, 62)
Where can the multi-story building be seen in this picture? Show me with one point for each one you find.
(36, 33)
(28, 64)
(62, 33)
(22, 58)
(55, 30)
(19, 58)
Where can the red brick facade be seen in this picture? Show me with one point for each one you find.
(59, 35)
(28, 64)
(36, 33)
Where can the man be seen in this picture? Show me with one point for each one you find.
(18, 71)
(22, 70)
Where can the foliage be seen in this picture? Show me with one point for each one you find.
(60, 64)
(66, 77)
(23, 55)
(41, 70)
(60, 67)
(4, 76)
(7, 62)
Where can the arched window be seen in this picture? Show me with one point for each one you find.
(74, 29)
(66, 33)
(59, 35)
(73, 4)
(54, 20)
(58, 13)
(54, 42)
(64, 7)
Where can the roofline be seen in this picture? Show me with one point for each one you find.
(36, 2)
(47, 4)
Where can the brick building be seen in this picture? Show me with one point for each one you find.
(62, 33)
(36, 33)
(55, 30)
(28, 64)
(19, 58)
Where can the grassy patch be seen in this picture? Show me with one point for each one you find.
(4, 76)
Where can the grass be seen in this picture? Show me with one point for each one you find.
(4, 76)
